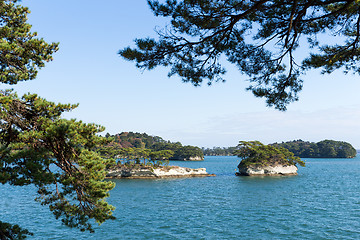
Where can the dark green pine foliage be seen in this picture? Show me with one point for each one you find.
(21, 52)
(56, 155)
(39, 147)
(322, 149)
(8, 231)
(260, 37)
(254, 153)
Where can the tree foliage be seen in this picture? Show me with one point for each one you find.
(260, 37)
(322, 149)
(153, 143)
(134, 156)
(21, 52)
(135, 139)
(56, 155)
(39, 147)
(8, 231)
(254, 153)
(219, 151)
(188, 152)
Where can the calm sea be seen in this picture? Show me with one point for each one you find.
(322, 202)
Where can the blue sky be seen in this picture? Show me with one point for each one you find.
(114, 93)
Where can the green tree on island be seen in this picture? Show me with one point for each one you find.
(260, 37)
(39, 147)
(254, 153)
(154, 143)
(122, 156)
(161, 157)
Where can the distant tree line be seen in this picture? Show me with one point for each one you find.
(219, 151)
(153, 144)
(300, 148)
(322, 149)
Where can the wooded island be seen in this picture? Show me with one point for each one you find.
(260, 159)
(300, 148)
(139, 155)
(140, 145)
(322, 149)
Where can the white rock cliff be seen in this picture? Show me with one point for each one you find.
(268, 170)
(160, 172)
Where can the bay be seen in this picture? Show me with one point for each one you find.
(322, 202)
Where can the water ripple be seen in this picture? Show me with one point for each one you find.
(322, 202)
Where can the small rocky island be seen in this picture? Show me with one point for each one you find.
(148, 172)
(278, 169)
(127, 162)
(259, 160)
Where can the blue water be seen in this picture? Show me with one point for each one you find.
(322, 202)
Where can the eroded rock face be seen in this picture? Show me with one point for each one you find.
(161, 172)
(196, 158)
(180, 171)
(267, 170)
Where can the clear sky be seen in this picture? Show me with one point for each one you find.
(114, 93)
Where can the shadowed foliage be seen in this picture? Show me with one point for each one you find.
(259, 37)
(39, 147)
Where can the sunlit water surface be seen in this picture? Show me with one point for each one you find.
(322, 202)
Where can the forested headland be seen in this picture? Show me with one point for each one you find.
(322, 149)
(300, 148)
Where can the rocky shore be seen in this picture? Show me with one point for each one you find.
(267, 170)
(158, 172)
